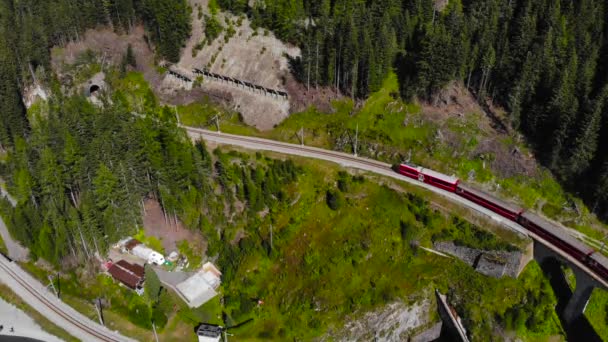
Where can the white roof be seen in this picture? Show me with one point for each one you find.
(196, 290)
(209, 339)
(148, 254)
(200, 288)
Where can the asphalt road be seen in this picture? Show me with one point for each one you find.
(374, 166)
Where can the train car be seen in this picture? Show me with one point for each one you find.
(558, 237)
(437, 179)
(599, 263)
(409, 170)
(488, 201)
(429, 176)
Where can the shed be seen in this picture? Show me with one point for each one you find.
(209, 333)
(130, 275)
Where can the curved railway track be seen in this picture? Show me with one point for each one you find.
(90, 330)
(376, 167)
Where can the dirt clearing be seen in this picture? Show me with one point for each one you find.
(240, 52)
(170, 230)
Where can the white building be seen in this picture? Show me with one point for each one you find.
(148, 254)
(201, 287)
(209, 333)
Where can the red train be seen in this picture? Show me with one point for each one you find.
(534, 223)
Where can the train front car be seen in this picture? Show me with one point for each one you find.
(490, 202)
(409, 170)
(565, 242)
(439, 180)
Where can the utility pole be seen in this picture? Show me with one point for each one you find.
(98, 309)
(154, 330)
(53, 285)
(176, 115)
(302, 136)
(226, 334)
(217, 122)
(356, 138)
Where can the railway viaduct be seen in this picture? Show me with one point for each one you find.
(571, 304)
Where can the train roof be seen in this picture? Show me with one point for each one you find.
(507, 205)
(602, 259)
(439, 175)
(556, 230)
(412, 165)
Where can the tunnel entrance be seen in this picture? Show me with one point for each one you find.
(93, 89)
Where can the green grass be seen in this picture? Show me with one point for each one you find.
(324, 264)
(328, 264)
(391, 130)
(597, 312)
(3, 247)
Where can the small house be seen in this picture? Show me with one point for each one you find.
(130, 275)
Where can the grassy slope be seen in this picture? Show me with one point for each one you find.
(395, 129)
(308, 287)
(3, 247)
(337, 262)
(597, 312)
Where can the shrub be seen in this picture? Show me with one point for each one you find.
(334, 199)
(344, 181)
(213, 28)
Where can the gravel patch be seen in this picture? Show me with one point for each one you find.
(22, 324)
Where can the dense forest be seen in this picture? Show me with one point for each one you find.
(80, 179)
(29, 28)
(541, 60)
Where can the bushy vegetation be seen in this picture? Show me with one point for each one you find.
(597, 312)
(305, 287)
(213, 28)
(28, 29)
(291, 264)
(465, 234)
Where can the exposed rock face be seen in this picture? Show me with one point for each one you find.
(394, 322)
(491, 263)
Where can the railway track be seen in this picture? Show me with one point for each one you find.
(373, 166)
(88, 330)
